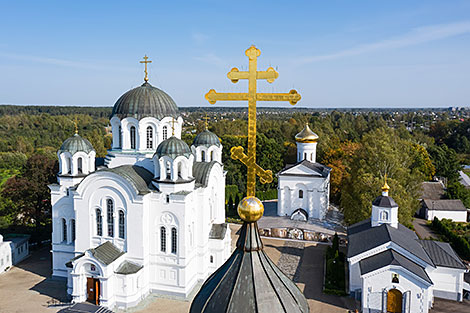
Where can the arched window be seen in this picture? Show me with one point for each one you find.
(132, 137)
(80, 165)
(212, 156)
(174, 238)
(212, 259)
(149, 137)
(203, 156)
(165, 133)
(99, 223)
(168, 170)
(162, 239)
(69, 168)
(64, 230)
(110, 210)
(384, 215)
(305, 156)
(180, 169)
(120, 136)
(72, 228)
(121, 224)
(301, 194)
(311, 157)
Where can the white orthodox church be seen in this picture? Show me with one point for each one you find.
(152, 219)
(304, 187)
(391, 270)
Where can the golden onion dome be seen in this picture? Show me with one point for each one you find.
(306, 135)
(250, 209)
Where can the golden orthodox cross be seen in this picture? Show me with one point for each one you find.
(249, 159)
(146, 78)
(172, 126)
(206, 119)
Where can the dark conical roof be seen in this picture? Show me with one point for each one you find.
(173, 147)
(249, 282)
(75, 144)
(206, 138)
(384, 202)
(145, 100)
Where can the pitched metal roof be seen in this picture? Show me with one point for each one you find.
(137, 176)
(321, 169)
(201, 172)
(206, 138)
(106, 253)
(173, 147)
(432, 190)
(363, 237)
(391, 257)
(127, 268)
(444, 205)
(442, 254)
(145, 100)
(249, 282)
(218, 231)
(75, 144)
(385, 202)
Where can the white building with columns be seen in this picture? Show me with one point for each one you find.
(304, 187)
(152, 220)
(391, 270)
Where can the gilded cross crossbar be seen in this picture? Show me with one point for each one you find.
(252, 96)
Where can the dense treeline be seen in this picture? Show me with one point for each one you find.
(360, 147)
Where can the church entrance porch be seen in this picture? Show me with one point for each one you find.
(394, 301)
(93, 290)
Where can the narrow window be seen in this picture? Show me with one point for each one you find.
(163, 239)
(121, 224)
(80, 165)
(212, 259)
(132, 137)
(110, 210)
(174, 238)
(180, 170)
(64, 230)
(168, 170)
(305, 156)
(203, 156)
(99, 223)
(167, 198)
(384, 215)
(301, 194)
(120, 137)
(165, 133)
(72, 225)
(212, 156)
(69, 167)
(149, 137)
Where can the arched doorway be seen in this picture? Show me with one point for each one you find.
(299, 215)
(394, 301)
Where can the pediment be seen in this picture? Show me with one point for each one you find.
(300, 169)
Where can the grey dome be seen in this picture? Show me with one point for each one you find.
(173, 147)
(206, 138)
(385, 202)
(144, 101)
(75, 144)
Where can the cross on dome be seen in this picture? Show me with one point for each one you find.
(146, 78)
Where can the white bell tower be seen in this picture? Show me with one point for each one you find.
(384, 209)
(306, 145)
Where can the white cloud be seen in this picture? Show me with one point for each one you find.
(414, 37)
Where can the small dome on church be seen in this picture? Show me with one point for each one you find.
(75, 144)
(206, 138)
(306, 135)
(173, 147)
(143, 101)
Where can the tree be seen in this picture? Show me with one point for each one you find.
(445, 161)
(29, 191)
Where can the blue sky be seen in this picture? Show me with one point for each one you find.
(335, 53)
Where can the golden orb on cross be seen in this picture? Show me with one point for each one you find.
(250, 209)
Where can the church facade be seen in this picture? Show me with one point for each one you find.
(392, 270)
(151, 219)
(304, 187)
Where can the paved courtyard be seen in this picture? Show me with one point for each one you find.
(27, 288)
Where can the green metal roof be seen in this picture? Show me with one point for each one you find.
(201, 172)
(127, 268)
(173, 147)
(144, 101)
(137, 176)
(75, 144)
(106, 253)
(206, 138)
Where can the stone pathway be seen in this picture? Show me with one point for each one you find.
(289, 262)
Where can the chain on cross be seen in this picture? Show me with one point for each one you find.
(252, 75)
